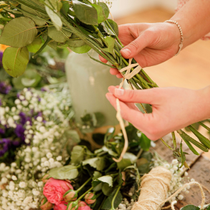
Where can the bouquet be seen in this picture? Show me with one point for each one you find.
(81, 25)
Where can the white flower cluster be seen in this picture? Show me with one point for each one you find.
(177, 180)
(21, 188)
(125, 205)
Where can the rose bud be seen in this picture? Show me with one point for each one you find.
(46, 205)
(83, 206)
(72, 205)
(70, 195)
(82, 203)
(90, 198)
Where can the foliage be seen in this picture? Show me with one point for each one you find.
(110, 181)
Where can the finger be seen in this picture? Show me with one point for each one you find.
(136, 96)
(133, 116)
(116, 72)
(136, 46)
(102, 59)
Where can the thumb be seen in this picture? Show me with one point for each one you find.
(134, 47)
(137, 96)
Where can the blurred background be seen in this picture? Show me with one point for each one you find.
(191, 68)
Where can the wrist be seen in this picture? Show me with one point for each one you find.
(203, 103)
(181, 37)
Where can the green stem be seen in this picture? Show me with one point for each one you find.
(112, 204)
(84, 193)
(166, 144)
(83, 184)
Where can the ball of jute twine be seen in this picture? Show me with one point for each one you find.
(154, 189)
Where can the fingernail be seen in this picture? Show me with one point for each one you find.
(126, 52)
(119, 92)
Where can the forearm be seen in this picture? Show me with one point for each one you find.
(203, 104)
(194, 18)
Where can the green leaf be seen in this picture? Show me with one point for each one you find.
(15, 60)
(108, 201)
(102, 11)
(110, 44)
(77, 154)
(19, 32)
(81, 50)
(144, 142)
(64, 172)
(97, 162)
(85, 13)
(58, 36)
(128, 159)
(53, 16)
(106, 189)
(190, 207)
(39, 18)
(106, 179)
(35, 45)
(29, 79)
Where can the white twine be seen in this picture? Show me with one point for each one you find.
(128, 75)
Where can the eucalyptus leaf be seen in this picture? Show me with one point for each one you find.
(53, 16)
(58, 36)
(35, 45)
(39, 18)
(64, 172)
(19, 32)
(77, 154)
(85, 13)
(97, 162)
(102, 11)
(80, 50)
(15, 60)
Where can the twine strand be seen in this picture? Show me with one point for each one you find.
(128, 75)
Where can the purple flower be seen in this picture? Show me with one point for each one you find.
(24, 118)
(4, 146)
(19, 131)
(2, 131)
(5, 88)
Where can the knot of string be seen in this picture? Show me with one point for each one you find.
(128, 75)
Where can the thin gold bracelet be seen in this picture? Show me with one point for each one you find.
(181, 33)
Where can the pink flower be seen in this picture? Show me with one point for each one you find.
(60, 206)
(90, 198)
(46, 205)
(84, 208)
(54, 190)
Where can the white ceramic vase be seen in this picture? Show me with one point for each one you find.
(88, 82)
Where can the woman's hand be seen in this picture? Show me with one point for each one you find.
(148, 43)
(172, 108)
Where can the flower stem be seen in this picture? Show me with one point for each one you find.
(83, 184)
(84, 194)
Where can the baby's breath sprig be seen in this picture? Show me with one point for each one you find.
(20, 182)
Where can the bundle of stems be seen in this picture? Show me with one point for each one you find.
(80, 25)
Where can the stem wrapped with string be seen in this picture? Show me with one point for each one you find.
(81, 25)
